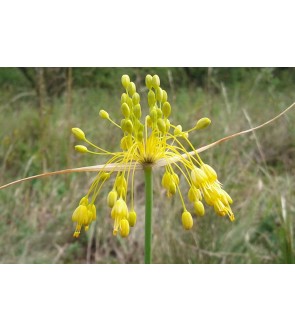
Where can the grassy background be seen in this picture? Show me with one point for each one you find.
(257, 170)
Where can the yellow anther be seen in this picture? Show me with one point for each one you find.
(103, 114)
(155, 81)
(79, 133)
(203, 123)
(132, 218)
(226, 196)
(199, 208)
(112, 198)
(124, 228)
(166, 108)
(125, 81)
(187, 220)
(81, 148)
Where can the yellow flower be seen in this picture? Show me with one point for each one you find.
(152, 141)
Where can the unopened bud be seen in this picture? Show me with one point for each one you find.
(103, 114)
(78, 133)
(203, 123)
(81, 148)
(125, 81)
(187, 220)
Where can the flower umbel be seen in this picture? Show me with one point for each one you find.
(150, 141)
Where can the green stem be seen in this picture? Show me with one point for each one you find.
(148, 178)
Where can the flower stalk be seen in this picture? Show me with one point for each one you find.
(148, 178)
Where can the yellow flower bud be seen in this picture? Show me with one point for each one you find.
(172, 188)
(149, 121)
(131, 88)
(139, 136)
(155, 81)
(148, 81)
(125, 110)
(135, 99)
(128, 126)
(112, 198)
(81, 148)
(203, 123)
(187, 220)
(92, 210)
(175, 178)
(166, 109)
(194, 194)
(166, 180)
(103, 114)
(80, 215)
(124, 228)
(198, 176)
(159, 113)
(132, 218)
(84, 201)
(104, 176)
(159, 94)
(126, 142)
(121, 182)
(210, 172)
(151, 98)
(124, 98)
(78, 133)
(164, 97)
(125, 81)
(137, 111)
(119, 210)
(199, 208)
(178, 130)
(161, 125)
(153, 114)
(167, 122)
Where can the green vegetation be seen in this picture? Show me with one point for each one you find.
(258, 170)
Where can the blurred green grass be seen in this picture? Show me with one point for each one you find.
(257, 171)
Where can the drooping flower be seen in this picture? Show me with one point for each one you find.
(150, 141)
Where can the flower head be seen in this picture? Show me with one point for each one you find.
(150, 141)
